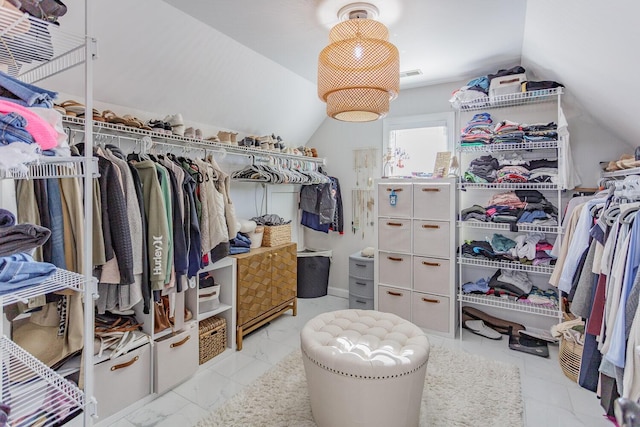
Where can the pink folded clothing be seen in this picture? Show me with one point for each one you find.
(43, 133)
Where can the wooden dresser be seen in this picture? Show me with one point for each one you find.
(266, 286)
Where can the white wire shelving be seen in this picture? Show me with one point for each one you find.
(35, 393)
(508, 186)
(507, 227)
(510, 100)
(61, 279)
(488, 148)
(34, 49)
(50, 167)
(102, 128)
(506, 265)
(492, 301)
(621, 173)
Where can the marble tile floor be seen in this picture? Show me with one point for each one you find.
(550, 398)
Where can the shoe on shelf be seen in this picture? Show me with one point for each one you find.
(177, 124)
(198, 134)
(232, 137)
(189, 133)
(224, 137)
(156, 126)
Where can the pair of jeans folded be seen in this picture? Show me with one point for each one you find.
(26, 94)
(12, 129)
(20, 270)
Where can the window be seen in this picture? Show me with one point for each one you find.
(410, 144)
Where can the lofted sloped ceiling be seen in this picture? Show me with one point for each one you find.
(591, 47)
(250, 65)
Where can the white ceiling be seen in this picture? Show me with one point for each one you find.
(446, 40)
(250, 65)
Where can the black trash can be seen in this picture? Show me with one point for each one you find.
(313, 273)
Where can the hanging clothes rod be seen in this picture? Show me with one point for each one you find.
(110, 128)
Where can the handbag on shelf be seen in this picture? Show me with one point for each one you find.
(161, 316)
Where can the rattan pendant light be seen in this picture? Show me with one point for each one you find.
(359, 71)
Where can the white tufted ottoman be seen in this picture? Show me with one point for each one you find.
(364, 368)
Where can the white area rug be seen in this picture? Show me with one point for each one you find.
(461, 389)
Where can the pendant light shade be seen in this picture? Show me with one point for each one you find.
(359, 71)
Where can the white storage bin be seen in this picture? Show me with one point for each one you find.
(176, 358)
(506, 84)
(123, 380)
(208, 299)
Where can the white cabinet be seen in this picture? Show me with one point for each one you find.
(415, 267)
(540, 107)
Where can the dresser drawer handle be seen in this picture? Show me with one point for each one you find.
(433, 301)
(361, 265)
(125, 364)
(392, 258)
(361, 284)
(432, 190)
(431, 264)
(395, 224)
(430, 226)
(360, 302)
(181, 342)
(394, 189)
(395, 294)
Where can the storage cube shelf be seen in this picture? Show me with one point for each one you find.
(415, 257)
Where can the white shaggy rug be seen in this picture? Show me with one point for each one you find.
(460, 389)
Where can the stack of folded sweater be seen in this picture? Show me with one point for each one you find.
(240, 244)
(18, 269)
(519, 206)
(515, 285)
(478, 130)
(513, 169)
(530, 248)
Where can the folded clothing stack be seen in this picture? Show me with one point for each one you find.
(240, 244)
(18, 269)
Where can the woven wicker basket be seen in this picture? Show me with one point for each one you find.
(213, 337)
(276, 235)
(570, 358)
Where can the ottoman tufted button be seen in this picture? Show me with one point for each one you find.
(364, 367)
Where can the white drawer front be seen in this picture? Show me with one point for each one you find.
(361, 268)
(176, 358)
(404, 201)
(394, 234)
(431, 238)
(396, 301)
(361, 287)
(123, 381)
(395, 269)
(432, 201)
(356, 301)
(430, 311)
(431, 275)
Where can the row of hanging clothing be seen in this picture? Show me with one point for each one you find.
(158, 219)
(281, 171)
(597, 269)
